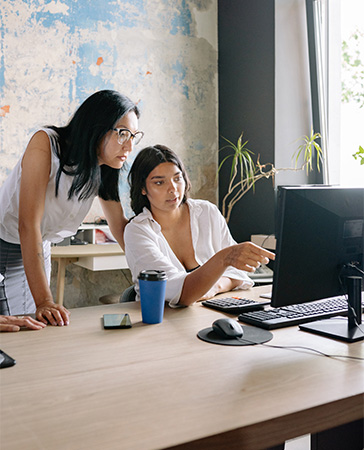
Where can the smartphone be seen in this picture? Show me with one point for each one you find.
(113, 321)
(6, 360)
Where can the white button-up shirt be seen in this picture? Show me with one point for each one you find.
(147, 248)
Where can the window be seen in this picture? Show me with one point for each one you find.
(336, 47)
(352, 94)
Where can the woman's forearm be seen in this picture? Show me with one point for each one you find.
(47, 311)
(246, 256)
(225, 284)
(116, 219)
(33, 259)
(198, 282)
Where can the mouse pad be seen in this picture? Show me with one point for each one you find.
(252, 335)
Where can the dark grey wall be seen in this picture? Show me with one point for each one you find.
(246, 102)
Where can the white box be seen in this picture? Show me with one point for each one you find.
(264, 240)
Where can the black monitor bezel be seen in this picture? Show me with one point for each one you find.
(297, 283)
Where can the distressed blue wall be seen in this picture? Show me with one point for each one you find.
(161, 53)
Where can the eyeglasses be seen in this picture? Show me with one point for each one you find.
(124, 135)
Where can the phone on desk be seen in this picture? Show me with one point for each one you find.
(6, 360)
(114, 321)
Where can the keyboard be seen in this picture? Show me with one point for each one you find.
(234, 305)
(286, 316)
(261, 272)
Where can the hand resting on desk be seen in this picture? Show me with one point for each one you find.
(52, 313)
(13, 323)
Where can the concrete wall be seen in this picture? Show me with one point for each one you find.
(161, 53)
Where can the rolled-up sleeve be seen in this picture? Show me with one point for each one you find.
(211, 235)
(231, 272)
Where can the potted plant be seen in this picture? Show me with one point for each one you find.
(244, 172)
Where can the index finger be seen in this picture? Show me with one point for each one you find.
(268, 254)
(263, 252)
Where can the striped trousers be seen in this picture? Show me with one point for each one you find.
(15, 295)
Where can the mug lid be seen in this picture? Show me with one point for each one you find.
(152, 275)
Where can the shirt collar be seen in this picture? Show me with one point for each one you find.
(194, 206)
(146, 216)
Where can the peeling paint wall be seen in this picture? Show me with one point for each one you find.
(161, 53)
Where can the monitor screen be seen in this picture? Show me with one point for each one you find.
(319, 241)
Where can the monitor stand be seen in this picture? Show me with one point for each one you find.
(344, 329)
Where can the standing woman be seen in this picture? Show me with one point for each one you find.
(50, 191)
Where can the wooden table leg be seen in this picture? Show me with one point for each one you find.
(62, 263)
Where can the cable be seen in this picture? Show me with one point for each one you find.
(293, 347)
(299, 347)
(266, 238)
(355, 318)
(351, 266)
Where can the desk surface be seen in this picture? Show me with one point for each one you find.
(78, 251)
(159, 386)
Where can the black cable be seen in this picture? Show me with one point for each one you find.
(351, 266)
(265, 239)
(355, 318)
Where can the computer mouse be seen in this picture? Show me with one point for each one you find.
(227, 328)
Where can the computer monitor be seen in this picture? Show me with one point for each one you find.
(319, 252)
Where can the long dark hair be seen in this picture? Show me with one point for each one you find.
(79, 142)
(146, 161)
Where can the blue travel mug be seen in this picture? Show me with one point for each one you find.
(152, 290)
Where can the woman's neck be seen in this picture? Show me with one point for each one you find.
(170, 219)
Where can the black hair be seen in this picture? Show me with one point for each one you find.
(79, 142)
(146, 161)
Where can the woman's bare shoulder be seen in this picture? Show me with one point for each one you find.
(40, 141)
(38, 153)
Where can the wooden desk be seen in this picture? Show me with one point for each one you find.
(90, 256)
(159, 386)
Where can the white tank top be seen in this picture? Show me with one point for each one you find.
(61, 218)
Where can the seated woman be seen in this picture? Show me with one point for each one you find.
(188, 239)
